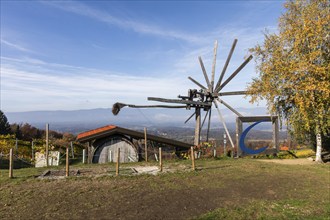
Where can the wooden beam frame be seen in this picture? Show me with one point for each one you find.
(239, 129)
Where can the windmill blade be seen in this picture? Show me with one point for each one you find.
(226, 64)
(224, 124)
(234, 73)
(190, 117)
(205, 74)
(180, 101)
(208, 126)
(229, 107)
(232, 93)
(197, 83)
(213, 65)
(118, 106)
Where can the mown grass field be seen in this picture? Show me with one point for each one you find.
(218, 189)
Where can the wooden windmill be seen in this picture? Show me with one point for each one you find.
(202, 98)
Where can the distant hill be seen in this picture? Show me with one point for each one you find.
(81, 120)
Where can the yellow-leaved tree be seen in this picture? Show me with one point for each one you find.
(294, 73)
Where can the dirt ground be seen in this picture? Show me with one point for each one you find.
(180, 195)
(298, 161)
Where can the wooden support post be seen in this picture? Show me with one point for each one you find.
(118, 161)
(192, 158)
(145, 145)
(160, 160)
(84, 156)
(47, 143)
(89, 152)
(67, 163)
(11, 163)
(239, 130)
(197, 127)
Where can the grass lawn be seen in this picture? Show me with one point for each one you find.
(218, 189)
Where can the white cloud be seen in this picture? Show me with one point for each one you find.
(15, 46)
(125, 23)
(56, 86)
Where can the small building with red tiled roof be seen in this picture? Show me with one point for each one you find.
(104, 142)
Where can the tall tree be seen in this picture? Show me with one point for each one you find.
(4, 124)
(294, 72)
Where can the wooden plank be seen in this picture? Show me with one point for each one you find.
(257, 118)
(118, 106)
(232, 93)
(179, 101)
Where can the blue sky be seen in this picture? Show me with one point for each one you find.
(90, 54)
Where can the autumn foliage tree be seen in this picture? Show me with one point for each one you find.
(293, 68)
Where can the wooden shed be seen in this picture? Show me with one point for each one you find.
(103, 144)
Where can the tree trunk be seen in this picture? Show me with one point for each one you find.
(318, 148)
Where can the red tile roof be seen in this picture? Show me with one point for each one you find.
(96, 131)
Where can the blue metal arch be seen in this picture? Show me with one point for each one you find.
(242, 138)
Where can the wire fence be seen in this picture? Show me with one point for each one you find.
(19, 162)
(153, 155)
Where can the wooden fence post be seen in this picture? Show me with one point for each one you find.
(84, 156)
(67, 162)
(32, 151)
(47, 143)
(192, 157)
(11, 163)
(160, 160)
(145, 145)
(72, 150)
(118, 161)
